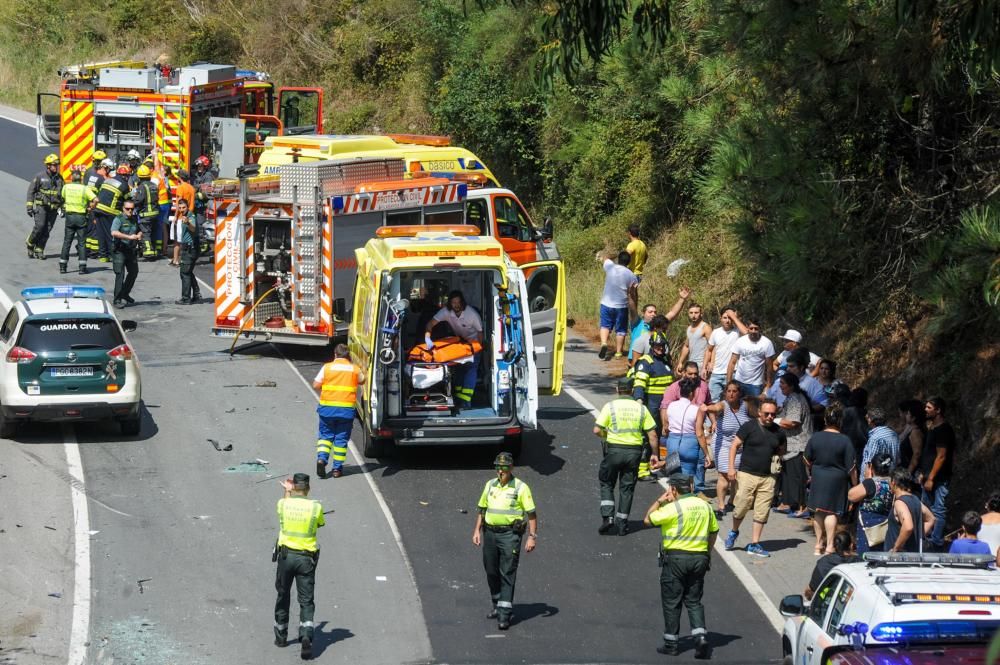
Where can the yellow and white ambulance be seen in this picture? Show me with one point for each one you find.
(405, 276)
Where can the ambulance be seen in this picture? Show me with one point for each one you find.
(405, 275)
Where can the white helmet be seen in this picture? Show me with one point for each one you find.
(134, 154)
(107, 163)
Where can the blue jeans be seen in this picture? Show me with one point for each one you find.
(937, 502)
(750, 390)
(692, 457)
(716, 384)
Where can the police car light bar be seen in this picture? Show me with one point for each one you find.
(935, 631)
(928, 559)
(63, 291)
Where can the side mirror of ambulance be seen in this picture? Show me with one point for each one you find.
(546, 232)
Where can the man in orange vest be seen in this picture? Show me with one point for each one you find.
(338, 383)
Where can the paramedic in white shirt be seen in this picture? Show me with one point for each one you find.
(467, 324)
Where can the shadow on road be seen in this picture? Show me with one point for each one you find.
(778, 545)
(528, 611)
(323, 638)
(86, 431)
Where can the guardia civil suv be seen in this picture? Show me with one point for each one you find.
(66, 358)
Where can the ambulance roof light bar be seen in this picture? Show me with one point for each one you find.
(412, 230)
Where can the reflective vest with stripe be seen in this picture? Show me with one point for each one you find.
(76, 197)
(299, 518)
(652, 377)
(689, 528)
(162, 191)
(111, 196)
(340, 384)
(145, 199)
(503, 506)
(627, 422)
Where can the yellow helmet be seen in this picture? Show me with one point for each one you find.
(100, 155)
(51, 158)
(143, 171)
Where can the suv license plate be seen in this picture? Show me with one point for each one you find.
(72, 371)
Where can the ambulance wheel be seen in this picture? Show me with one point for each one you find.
(512, 445)
(542, 299)
(375, 446)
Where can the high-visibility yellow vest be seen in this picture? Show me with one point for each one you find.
(626, 421)
(299, 518)
(76, 197)
(685, 524)
(504, 505)
(340, 384)
(652, 375)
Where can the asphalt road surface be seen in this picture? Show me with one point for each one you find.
(197, 525)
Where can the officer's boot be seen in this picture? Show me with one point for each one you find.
(668, 648)
(40, 253)
(30, 244)
(701, 649)
(280, 638)
(62, 268)
(606, 526)
(307, 648)
(83, 269)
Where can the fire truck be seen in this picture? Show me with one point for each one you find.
(284, 245)
(184, 112)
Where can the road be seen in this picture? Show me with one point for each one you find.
(197, 527)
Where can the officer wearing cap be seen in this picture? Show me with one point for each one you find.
(629, 432)
(296, 553)
(652, 376)
(688, 532)
(506, 510)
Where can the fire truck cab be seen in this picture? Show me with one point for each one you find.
(182, 111)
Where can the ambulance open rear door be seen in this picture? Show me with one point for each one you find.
(524, 376)
(545, 293)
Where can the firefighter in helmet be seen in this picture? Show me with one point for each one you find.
(145, 195)
(652, 377)
(44, 202)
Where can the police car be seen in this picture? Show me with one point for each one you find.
(901, 599)
(66, 358)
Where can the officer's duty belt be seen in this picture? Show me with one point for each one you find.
(667, 552)
(625, 446)
(498, 529)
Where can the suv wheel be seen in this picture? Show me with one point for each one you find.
(131, 426)
(7, 427)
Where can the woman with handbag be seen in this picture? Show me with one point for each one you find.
(682, 439)
(875, 496)
(830, 458)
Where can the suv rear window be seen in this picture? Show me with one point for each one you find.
(62, 334)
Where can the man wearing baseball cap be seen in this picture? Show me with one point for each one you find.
(296, 554)
(793, 340)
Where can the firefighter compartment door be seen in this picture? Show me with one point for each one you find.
(545, 283)
(47, 119)
(524, 374)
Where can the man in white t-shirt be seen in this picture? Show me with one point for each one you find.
(793, 340)
(467, 324)
(620, 293)
(720, 348)
(750, 361)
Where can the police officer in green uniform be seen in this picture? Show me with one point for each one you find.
(652, 376)
(77, 198)
(44, 202)
(629, 433)
(688, 532)
(506, 510)
(297, 554)
(125, 237)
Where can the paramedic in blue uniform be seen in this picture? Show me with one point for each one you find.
(467, 324)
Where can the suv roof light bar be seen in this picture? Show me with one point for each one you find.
(932, 559)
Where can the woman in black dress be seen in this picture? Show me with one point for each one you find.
(830, 458)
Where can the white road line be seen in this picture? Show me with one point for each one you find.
(756, 592)
(20, 122)
(80, 628)
(359, 460)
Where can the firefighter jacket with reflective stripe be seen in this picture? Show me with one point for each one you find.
(198, 182)
(93, 179)
(145, 198)
(626, 421)
(652, 377)
(45, 190)
(299, 518)
(685, 524)
(77, 197)
(111, 196)
(505, 505)
(340, 384)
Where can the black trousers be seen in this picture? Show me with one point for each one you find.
(301, 569)
(682, 581)
(126, 267)
(76, 229)
(189, 285)
(45, 219)
(501, 552)
(793, 482)
(102, 229)
(620, 466)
